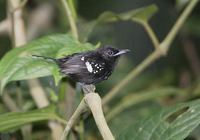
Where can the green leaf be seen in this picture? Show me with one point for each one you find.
(14, 120)
(139, 15)
(174, 123)
(18, 64)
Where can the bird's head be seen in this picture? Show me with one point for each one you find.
(111, 53)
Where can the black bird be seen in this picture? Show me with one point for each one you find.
(89, 67)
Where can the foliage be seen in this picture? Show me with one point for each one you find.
(19, 64)
(14, 120)
(174, 123)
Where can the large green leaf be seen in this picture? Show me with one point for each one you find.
(18, 64)
(139, 15)
(174, 123)
(14, 120)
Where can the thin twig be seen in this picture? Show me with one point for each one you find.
(151, 34)
(72, 8)
(155, 55)
(74, 118)
(178, 24)
(70, 18)
(9, 102)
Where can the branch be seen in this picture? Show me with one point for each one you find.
(164, 46)
(173, 32)
(18, 26)
(9, 102)
(20, 6)
(70, 18)
(74, 118)
(151, 34)
(93, 101)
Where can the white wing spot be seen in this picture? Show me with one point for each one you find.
(192, 111)
(89, 66)
(82, 58)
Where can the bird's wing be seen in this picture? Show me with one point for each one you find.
(72, 65)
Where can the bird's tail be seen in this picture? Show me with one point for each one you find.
(47, 58)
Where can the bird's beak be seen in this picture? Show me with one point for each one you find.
(122, 52)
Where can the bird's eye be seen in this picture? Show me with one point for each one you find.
(110, 53)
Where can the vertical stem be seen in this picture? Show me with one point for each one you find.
(70, 18)
(81, 108)
(152, 35)
(18, 38)
(20, 6)
(18, 26)
(73, 9)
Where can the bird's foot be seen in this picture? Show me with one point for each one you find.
(88, 88)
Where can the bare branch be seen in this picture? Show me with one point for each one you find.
(93, 100)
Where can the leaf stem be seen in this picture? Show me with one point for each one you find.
(70, 18)
(73, 9)
(74, 118)
(164, 46)
(151, 34)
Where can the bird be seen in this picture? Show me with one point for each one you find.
(90, 67)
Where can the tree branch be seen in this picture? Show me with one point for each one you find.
(93, 101)
(151, 34)
(74, 118)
